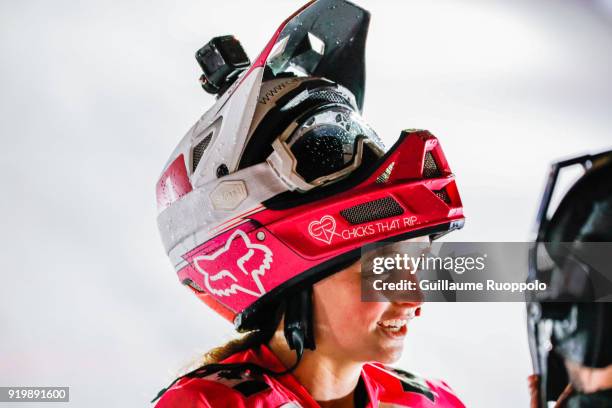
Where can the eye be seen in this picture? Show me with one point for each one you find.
(385, 276)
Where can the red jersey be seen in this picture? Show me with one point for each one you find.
(379, 386)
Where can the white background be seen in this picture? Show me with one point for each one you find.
(95, 95)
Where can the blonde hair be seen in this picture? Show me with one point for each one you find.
(250, 340)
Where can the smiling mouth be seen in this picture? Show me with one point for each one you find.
(397, 327)
(393, 325)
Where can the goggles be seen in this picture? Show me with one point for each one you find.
(322, 146)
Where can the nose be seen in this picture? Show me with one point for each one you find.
(408, 305)
(411, 304)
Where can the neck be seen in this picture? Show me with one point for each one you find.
(330, 380)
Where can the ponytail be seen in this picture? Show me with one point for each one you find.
(250, 340)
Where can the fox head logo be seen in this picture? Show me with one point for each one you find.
(235, 267)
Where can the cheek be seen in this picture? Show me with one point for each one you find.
(340, 315)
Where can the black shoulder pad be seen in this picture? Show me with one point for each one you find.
(244, 378)
(412, 383)
(243, 381)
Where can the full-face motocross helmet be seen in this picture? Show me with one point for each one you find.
(281, 181)
(572, 320)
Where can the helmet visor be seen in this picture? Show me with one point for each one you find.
(326, 39)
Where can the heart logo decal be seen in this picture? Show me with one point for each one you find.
(324, 229)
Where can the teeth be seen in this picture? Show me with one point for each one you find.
(396, 324)
(393, 324)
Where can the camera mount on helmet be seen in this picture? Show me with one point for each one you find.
(223, 60)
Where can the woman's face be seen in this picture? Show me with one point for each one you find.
(347, 328)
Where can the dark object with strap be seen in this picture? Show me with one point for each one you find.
(566, 323)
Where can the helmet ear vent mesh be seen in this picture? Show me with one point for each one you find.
(430, 167)
(198, 151)
(372, 211)
(443, 195)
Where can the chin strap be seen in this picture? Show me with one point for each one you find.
(298, 322)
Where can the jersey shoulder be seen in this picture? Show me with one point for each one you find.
(222, 388)
(401, 386)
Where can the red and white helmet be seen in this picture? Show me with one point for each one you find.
(281, 182)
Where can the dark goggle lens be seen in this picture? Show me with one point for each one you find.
(326, 142)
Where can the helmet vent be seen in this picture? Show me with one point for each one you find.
(328, 95)
(430, 168)
(443, 195)
(384, 176)
(372, 211)
(198, 151)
